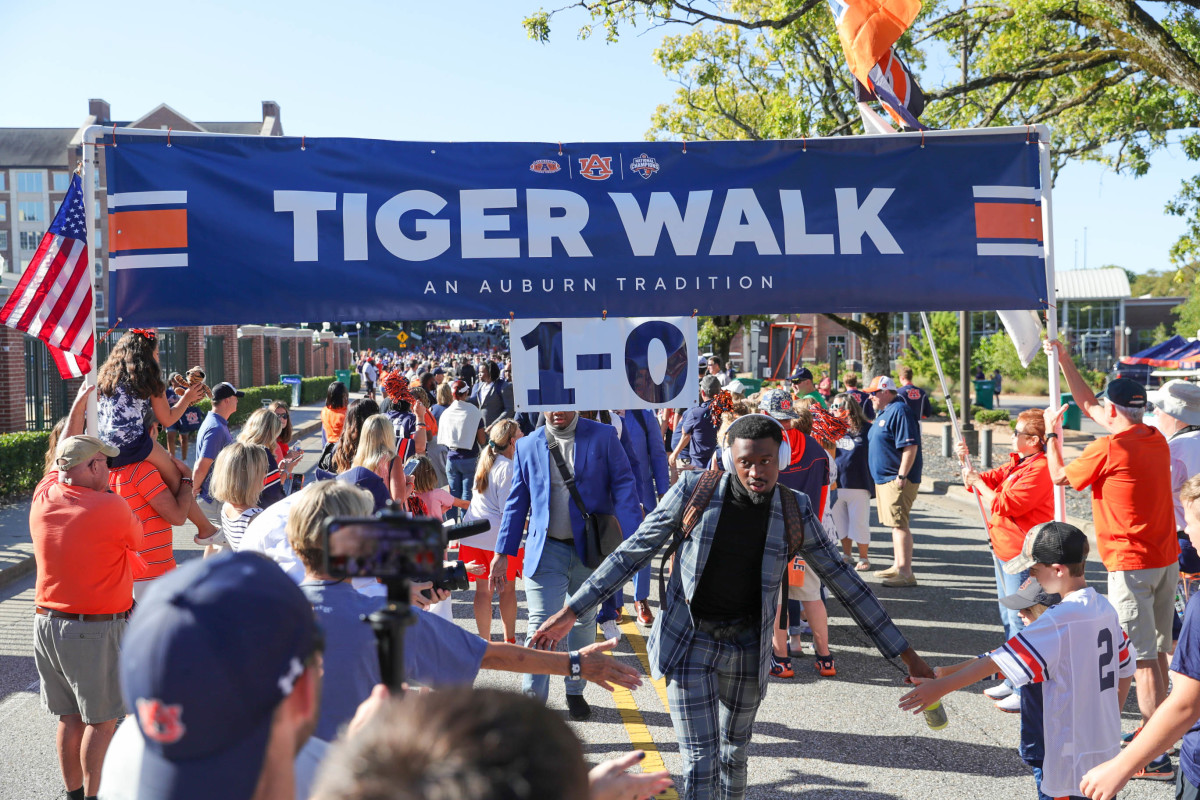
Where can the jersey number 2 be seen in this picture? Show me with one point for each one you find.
(1108, 674)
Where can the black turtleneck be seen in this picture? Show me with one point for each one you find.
(731, 585)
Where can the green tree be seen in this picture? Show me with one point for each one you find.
(1113, 80)
(718, 332)
(919, 357)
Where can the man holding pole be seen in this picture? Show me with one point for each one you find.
(1129, 472)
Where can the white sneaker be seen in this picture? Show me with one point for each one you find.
(999, 691)
(610, 629)
(1010, 704)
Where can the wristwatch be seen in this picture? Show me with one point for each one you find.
(902, 477)
(1051, 435)
(576, 665)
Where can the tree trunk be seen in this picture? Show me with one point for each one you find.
(875, 332)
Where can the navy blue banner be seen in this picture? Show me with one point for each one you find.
(220, 230)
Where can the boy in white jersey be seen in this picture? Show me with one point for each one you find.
(1076, 649)
(1179, 713)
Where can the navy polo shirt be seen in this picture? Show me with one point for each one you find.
(698, 422)
(917, 399)
(895, 428)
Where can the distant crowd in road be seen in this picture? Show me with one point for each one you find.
(248, 673)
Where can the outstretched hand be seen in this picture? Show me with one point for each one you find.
(553, 630)
(611, 781)
(596, 666)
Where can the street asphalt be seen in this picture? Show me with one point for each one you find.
(816, 737)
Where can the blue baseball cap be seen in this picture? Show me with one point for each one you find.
(778, 403)
(209, 654)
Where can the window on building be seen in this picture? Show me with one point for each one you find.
(61, 181)
(30, 240)
(3, 240)
(1145, 338)
(3, 181)
(31, 211)
(31, 182)
(3, 209)
(99, 300)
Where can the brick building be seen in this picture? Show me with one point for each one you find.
(35, 171)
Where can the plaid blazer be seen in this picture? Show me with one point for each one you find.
(674, 625)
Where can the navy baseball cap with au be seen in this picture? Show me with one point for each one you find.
(211, 652)
(1125, 392)
(1050, 543)
(226, 389)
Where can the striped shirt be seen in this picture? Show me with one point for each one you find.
(234, 529)
(137, 483)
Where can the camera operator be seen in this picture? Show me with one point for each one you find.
(436, 652)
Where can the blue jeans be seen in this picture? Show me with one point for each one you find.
(461, 472)
(559, 575)
(1037, 781)
(1005, 585)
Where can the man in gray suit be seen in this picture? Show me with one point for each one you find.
(493, 396)
(712, 638)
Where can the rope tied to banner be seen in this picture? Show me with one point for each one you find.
(168, 136)
(685, 147)
(922, 138)
(604, 314)
(303, 142)
(560, 148)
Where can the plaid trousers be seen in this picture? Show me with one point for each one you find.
(714, 696)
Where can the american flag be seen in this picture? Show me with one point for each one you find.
(53, 300)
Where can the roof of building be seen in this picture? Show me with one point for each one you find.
(34, 147)
(1106, 283)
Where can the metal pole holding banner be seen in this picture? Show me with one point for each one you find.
(937, 363)
(1060, 492)
(89, 208)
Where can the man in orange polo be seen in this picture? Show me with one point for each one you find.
(1129, 473)
(82, 539)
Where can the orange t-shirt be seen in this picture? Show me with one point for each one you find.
(1130, 476)
(332, 419)
(1024, 498)
(80, 540)
(137, 483)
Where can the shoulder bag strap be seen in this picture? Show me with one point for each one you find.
(793, 522)
(697, 502)
(567, 477)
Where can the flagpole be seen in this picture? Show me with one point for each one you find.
(1060, 492)
(89, 199)
(958, 437)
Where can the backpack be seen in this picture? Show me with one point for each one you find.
(698, 501)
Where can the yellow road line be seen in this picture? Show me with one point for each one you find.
(631, 716)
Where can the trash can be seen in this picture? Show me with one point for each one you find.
(1073, 418)
(983, 394)
(342, 375)
(294, 382)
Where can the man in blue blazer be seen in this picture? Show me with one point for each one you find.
(712, 639)
(554, 544)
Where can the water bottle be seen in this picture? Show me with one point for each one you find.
(935, 716)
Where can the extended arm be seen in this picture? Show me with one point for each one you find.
(929, 691)
(1083, 395)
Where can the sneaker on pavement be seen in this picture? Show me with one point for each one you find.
(1010, 704)
(999, 691)
(1126, 738)
(824, 666)
(782, 668)
(1160, 769)
(578, 708)
(610, 629)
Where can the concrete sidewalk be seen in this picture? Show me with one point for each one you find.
(16, 546)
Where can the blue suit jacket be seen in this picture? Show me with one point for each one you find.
(602, 475)
(651, 455)
(674, 625)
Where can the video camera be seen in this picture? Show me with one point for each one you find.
(396, 549)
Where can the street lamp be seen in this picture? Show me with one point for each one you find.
(359, 326)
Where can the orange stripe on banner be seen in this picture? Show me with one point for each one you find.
(1008, 221)
(147, 230)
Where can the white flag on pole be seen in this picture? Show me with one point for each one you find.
(872, 121)
(1025, 330)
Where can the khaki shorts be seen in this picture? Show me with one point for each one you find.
(894, 504)
(811, 590)
(78, 663)
(1145, 604)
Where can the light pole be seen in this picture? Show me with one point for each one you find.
(359, 334)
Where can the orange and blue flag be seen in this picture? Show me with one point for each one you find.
(893, 85)
(868, 29)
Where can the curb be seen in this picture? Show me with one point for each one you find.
(956, 493)
(19, 568)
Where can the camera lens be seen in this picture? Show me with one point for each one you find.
(453, 578)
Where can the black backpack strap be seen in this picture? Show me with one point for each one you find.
(568, 478)
(693, 510)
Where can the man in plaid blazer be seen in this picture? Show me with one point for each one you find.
(712, 638)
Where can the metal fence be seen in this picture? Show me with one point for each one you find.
(285, 357)
(214, 359)
(245, 362)
(46, 395)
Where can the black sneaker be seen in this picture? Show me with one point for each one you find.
(1159, 769)
(579, 710)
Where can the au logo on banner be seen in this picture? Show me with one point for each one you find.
(592, 364)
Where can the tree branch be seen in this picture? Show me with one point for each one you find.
(1164, 56)
(857, 328)
(1044, 69)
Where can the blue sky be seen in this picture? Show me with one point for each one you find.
(449, 70)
